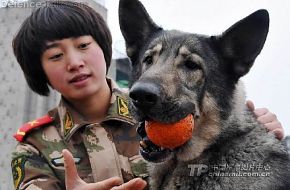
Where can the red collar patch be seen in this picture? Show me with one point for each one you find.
(22, 131)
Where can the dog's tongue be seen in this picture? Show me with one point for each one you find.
(172, 135)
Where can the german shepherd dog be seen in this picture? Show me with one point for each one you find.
(175, 74)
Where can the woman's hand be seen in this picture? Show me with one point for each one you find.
(74, 182)
(268, 119)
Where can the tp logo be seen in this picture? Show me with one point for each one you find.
(197, 169)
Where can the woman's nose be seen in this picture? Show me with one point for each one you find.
(74, 62)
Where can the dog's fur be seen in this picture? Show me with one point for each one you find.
(176, 74)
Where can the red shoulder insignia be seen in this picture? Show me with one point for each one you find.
(22, 131)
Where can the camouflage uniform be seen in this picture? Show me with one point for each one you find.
(100, 150)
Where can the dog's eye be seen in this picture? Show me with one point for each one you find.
(191, 65)
(148, 60)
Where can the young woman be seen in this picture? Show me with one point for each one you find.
(89, 140)
(67, 46)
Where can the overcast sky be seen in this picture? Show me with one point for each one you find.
(268, 83)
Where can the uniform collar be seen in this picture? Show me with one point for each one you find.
(70, 120)
(118, 109)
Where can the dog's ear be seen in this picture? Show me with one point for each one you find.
(136, 26)
(242, 42)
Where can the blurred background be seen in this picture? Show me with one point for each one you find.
(267, 84)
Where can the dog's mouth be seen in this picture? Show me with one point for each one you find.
(149, 150)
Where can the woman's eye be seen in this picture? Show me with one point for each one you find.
(84, 45)
(55, 57)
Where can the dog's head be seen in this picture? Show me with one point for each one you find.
(177, 73)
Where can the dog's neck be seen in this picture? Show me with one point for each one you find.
(241, 119)
(239, 99)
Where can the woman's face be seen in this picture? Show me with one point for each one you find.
(75, 67)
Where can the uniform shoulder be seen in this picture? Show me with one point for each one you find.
(27, 127)
(121, 92)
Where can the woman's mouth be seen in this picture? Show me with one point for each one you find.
(79, 80)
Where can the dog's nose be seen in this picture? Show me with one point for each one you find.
(144, 95)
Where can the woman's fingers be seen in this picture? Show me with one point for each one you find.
(134, 184)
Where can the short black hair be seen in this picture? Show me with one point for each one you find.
(56, 20)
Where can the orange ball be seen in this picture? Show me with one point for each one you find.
(170, 135)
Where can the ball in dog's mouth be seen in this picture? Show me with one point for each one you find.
(159, 139)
